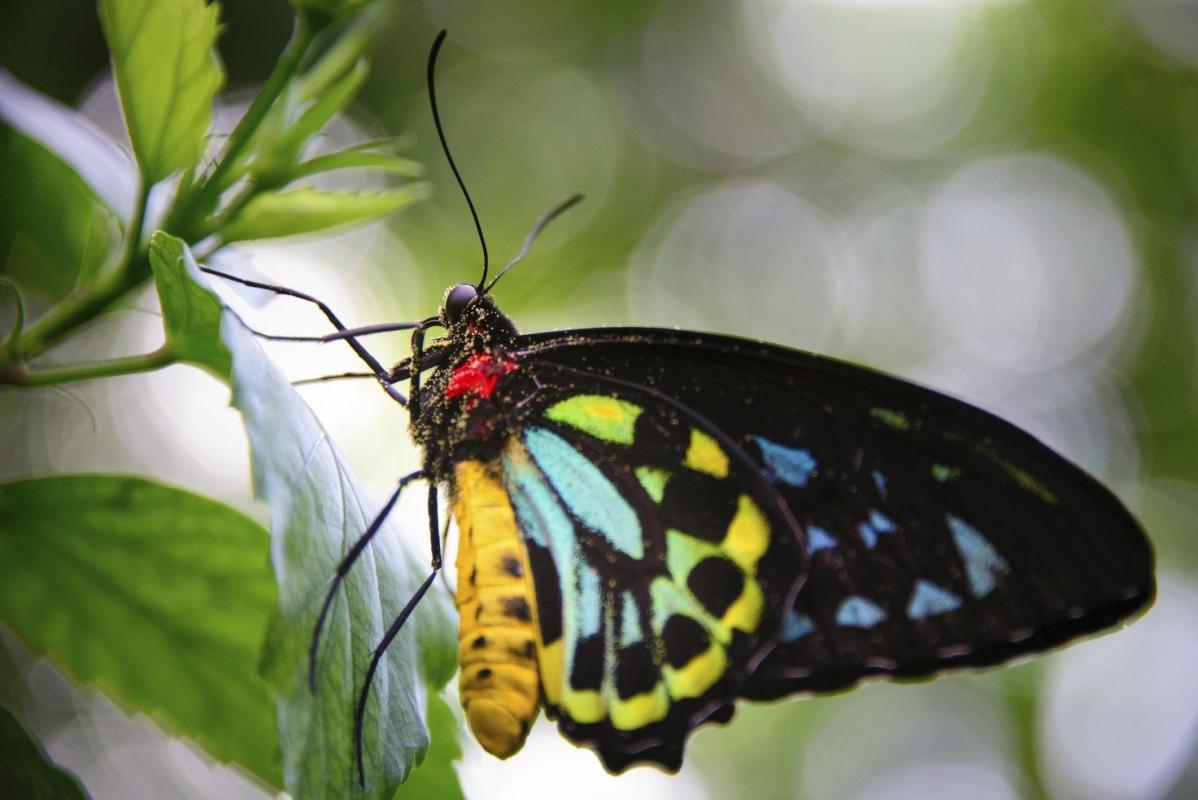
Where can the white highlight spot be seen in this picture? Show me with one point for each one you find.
(1026, 261)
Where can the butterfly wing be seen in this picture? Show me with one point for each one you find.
(932, 534)
(661, 567)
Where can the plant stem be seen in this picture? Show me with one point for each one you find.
(129, 365)
(191, 207)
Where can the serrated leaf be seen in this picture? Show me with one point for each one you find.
(318, 510)
(299, 211)
(86, 149)
(168, 74)
(157, 596)
(54, 231)
(26, 770)
(436, 776)
(191, 313)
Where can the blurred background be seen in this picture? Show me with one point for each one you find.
(994, 198)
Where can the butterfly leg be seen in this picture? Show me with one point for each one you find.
(429, 359)
(418, 365)
(380, 372)
(338, 377)
(434, 528)
(344, 567)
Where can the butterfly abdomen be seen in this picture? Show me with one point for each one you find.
(497, 650)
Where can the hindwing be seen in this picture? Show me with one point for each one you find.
(662, 568)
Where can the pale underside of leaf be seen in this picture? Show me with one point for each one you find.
(100, 162)
(61, 232)
(318, 509)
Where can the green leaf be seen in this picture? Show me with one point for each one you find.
(168, 74)
(25, 769)
(191, 313)
(274, 167)
(54, 232)
(436, 777)
(300, 211)
(318, 510)
(352, 43)
(100, 162)
(358, 158)
(157, 596)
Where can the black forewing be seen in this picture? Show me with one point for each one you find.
(979, 543)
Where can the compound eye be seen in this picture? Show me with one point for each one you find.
(456, 301)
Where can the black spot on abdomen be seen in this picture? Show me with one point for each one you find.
(517, 608)
(511, 565)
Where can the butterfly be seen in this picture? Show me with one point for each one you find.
(654, 524)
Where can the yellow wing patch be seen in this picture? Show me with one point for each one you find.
(704, 455)
(699, 674)
(640, 710)
(585, 706)
(748, 535)
(745, 613)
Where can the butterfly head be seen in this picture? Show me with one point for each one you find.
(472, 318)
(457, 300)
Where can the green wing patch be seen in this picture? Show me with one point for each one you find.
(608, 418)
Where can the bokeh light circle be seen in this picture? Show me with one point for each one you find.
(753, 258)
(886, 77)
(1026, 261)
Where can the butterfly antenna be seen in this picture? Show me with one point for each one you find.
(432, 101)
(545, 219)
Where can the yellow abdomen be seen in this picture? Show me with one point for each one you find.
(497, 635)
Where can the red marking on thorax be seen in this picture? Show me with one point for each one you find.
(479, 376)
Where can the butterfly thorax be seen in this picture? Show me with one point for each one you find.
(465, 403)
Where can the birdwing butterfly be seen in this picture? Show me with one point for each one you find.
(654, 524)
